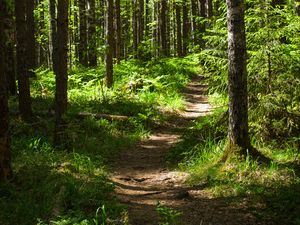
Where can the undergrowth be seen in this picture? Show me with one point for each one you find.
(68, 186)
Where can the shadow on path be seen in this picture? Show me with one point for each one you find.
(142, 178)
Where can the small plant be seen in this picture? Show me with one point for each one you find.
(168, 215)
(103, 216)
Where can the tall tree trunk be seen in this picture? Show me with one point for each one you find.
(61, 97)
(209, 8)
(82, 51)
(31, 45)
(5, 159)
(163, 28)
(118, 31)
(9, 57)
(194, 12)
(126, 35)
(42, 56)
(147, 18)
(202, 14)
(76, 30)
(237, 77)
(22, 71)
(92, 43)
(135, 27)
(109, 43)
(141, 21)
(178, 29)
(185, 28)
(53, 33)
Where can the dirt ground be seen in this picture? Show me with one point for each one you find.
(143, 179)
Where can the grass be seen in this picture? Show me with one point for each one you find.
(68, 186)
(273, 190)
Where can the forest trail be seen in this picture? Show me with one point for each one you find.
(143, 179)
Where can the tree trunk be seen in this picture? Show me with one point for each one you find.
(209, 8)
(23, 77)
(76, 31)
(42, 45)
(118, 31)
(178, 29)
(237, 77)
(31, 45)
(140, 24)
(163, 28)
(53, 35)
(82, 50)
(61, 97)
(10, 68)
(92, 43)
(135, 27)
(109, 43)
(185, 28)
(194, 12)
(5, 159)
(202, 4)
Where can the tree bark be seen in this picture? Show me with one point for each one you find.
(92, 43)
(76, 30)
(237, 76)
(53, 33)
(209, 8)
(5, 158)
(109, 43)
(9, 57)
(22, 71)
(163, 28)
(194, 13)
(42, 45)
(178, 29)
(61, 96)
(118, 31)
(135, 27)
(82, 50)
(185, 28)
(31, 44)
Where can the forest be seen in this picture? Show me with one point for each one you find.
(149, 112)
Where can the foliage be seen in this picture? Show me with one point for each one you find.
(273, 63)
(67, 186)
(168, 216)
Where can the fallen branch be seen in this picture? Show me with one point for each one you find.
(103, 116)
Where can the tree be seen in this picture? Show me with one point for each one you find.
(22, 69)
(178, 29)
(92, 43)
(237, 82)
(109, 43)
(31, 45)
(82, 50)
(61, 97)
(9, 56)
(118, 31)
(5, 159)
(53, 33)
(185, 28)
(209, 8)
(163, 28)
(237, 77)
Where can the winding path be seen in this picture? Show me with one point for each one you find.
(143, 179)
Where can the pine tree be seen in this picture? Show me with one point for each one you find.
(5, 159)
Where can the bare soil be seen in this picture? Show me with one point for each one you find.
(143, 179)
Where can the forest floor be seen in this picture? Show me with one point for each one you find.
(143, 178)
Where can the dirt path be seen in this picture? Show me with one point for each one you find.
(143, 179)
